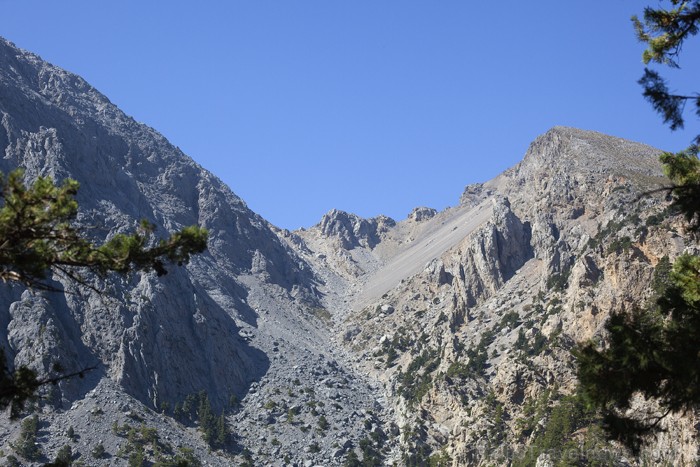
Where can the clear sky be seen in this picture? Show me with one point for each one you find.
(369, 106)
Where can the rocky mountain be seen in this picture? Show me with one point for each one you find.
(469, 316)
(441, 339)
(244, 313)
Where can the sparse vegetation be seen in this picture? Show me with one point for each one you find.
(440, 459)
(64, 457)
(322, 314)
(510, 320)
(400, 342)
(532, 347)
(323, 424)
(416, 381)
(619, 245)
(26, 444)
(352, 460)
(184, 458)
(570, 427)
(478, 356)
(661, 280)
(494, 411)
(558, 282)
(370, 453)
(143, 445)
(196, 409)
(314, 448)
(98, 451)
(270, 405)
(290, 415)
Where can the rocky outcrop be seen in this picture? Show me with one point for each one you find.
(422, 214)
(240, 322)
(474, 194)
(490, 257)
(151, 341)
(491, 322)
(351, 231)
(447, 334)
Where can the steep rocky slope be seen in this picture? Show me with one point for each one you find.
(240, 322)
(445, 337)
(471, 333)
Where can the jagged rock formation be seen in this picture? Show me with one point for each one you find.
(244, 312)
(445, 335)
(129, 172)
(473, 194)
(352, 231)
(422, 214)
(482, 336)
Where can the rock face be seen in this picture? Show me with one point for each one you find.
(231, 318)
(422, 214)
(153, 340)
(447, 334)
(473, 194)
(352, 231)
(483, 335)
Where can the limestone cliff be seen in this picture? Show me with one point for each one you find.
(475, 348)
(443, 338)
(244, 312)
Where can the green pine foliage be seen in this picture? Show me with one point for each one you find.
(655, 351)
(571, 436)
(38, 236)
(665, 31)
(26, 444)
(417, 380)
(352, 460)
(98, 451)
(16, 387)
(64, 457)
(440, 459)
(323, 424)
(144, 447)
(184, 458)
(417, 456)
(683, 169)
(370, 453)
(478, 356)
(137, 457)
(196, 410)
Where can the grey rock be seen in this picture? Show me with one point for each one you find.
(289, 320)
(422, 214)
(352, 231)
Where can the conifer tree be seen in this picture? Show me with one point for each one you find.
(655, 352)
(38, 238)
(221, 431)
(26, 445)
(206, 419)
(64, 457)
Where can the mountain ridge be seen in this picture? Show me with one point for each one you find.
(396, 341)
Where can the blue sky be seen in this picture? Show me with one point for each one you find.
(370, 106)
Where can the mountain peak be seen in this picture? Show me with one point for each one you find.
(364, 331)
(352, 230)
(572, 150)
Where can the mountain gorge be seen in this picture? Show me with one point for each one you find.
(441, 339)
